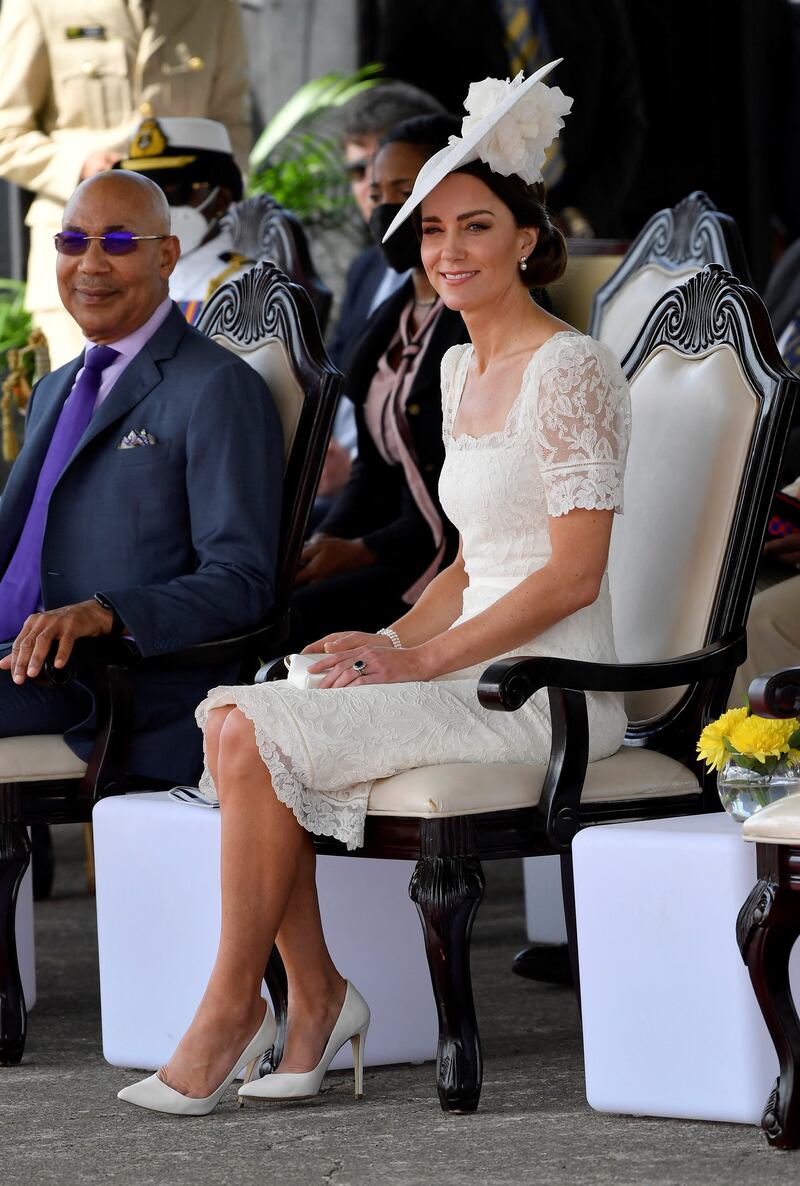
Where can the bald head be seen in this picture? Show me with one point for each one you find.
(134, 193)
(110, 295)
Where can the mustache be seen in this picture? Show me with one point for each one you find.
(85, 286)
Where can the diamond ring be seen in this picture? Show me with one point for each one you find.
(359, 667)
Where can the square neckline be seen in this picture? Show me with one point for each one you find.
(504, 431)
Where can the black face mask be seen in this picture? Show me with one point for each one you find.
(401, 252)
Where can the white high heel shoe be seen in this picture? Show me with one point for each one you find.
(351, 1025)
(156, 1095)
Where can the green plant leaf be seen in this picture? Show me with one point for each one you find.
(794, 740)
(313, 98)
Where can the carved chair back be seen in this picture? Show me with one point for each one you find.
(707, 426)
(269, 322)
(262, 229)
(673, 246)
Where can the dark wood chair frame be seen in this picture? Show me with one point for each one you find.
(263, 303)
(263, 229)
(448, 883)
(766, 930)
(692, 233)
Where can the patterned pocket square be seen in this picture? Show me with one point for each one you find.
(137, 437)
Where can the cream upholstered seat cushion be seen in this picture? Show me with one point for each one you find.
(270, 359)
(36, 759)
(627, 311)
(779, 823)
(471, 789)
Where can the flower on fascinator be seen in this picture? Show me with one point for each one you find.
(516, 142)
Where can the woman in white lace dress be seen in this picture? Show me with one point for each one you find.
(536, 422)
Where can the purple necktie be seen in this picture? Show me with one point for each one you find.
(21, 587)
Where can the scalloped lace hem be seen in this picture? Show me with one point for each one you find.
(314, 810)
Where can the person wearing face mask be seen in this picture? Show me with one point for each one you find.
(385, 536)
(192, 162)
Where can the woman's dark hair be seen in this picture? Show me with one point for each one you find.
(427, 131)
(548, 259)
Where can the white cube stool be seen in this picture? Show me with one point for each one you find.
(158, 917)
(670, 1023)
(26, 946)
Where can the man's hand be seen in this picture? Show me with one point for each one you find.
(335, 471)
(325, 556)
(785, 549)
(87, 619)
(99, 160)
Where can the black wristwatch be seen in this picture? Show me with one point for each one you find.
(117, 626)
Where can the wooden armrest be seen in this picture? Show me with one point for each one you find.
(508, 683)
(120, 652)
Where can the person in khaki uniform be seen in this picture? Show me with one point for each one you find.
(76, 78)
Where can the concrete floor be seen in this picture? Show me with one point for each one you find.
(61, 1123)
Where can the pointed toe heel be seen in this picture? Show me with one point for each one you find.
(155, 1095)
(351, 1026)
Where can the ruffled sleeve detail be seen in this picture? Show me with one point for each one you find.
(582, 425)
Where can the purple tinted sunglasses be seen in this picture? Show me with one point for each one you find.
(113, 243)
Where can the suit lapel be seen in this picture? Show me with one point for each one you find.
(138, 379)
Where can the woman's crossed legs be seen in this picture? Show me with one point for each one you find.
(269, 896)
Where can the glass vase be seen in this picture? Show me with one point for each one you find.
(743, 792)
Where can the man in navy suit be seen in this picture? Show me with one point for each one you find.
(158, 519)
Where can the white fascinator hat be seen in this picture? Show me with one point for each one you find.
(509, 126)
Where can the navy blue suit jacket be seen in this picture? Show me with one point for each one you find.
(180, 535)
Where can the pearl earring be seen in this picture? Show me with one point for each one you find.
(523, 264)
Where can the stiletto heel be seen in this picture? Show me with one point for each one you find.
(156, 1095)
(358, 1042)
(351, 1026)
(248, 1074)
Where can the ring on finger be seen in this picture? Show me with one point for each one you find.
(359, 667)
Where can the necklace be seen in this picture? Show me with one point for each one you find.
(426, 304)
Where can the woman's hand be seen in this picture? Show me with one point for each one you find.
(347, 640)
(325, 556)
(382, 665)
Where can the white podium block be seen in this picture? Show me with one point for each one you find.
(671, 1026)
(544, 902)
(158, 918)
(26, 947)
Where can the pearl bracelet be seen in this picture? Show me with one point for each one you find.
(392, 636)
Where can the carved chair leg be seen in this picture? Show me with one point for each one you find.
(767, 927)
(447, 892)
(15, 851)
(277, 984)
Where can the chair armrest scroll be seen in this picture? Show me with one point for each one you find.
(97, 652)
(508, 683)
(776, 693)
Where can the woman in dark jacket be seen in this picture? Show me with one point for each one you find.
(385, 536)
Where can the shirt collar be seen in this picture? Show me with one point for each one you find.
(131, 344)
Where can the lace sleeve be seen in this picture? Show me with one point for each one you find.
(582, 426)
(451, 387)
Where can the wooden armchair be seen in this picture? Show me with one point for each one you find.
(270, 322)
(769, 921)
(672, 246)
(711, 400)
(263, 229)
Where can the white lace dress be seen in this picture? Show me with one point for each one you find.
(563, 446)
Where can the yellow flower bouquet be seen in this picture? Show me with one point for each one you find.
(757, 760)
